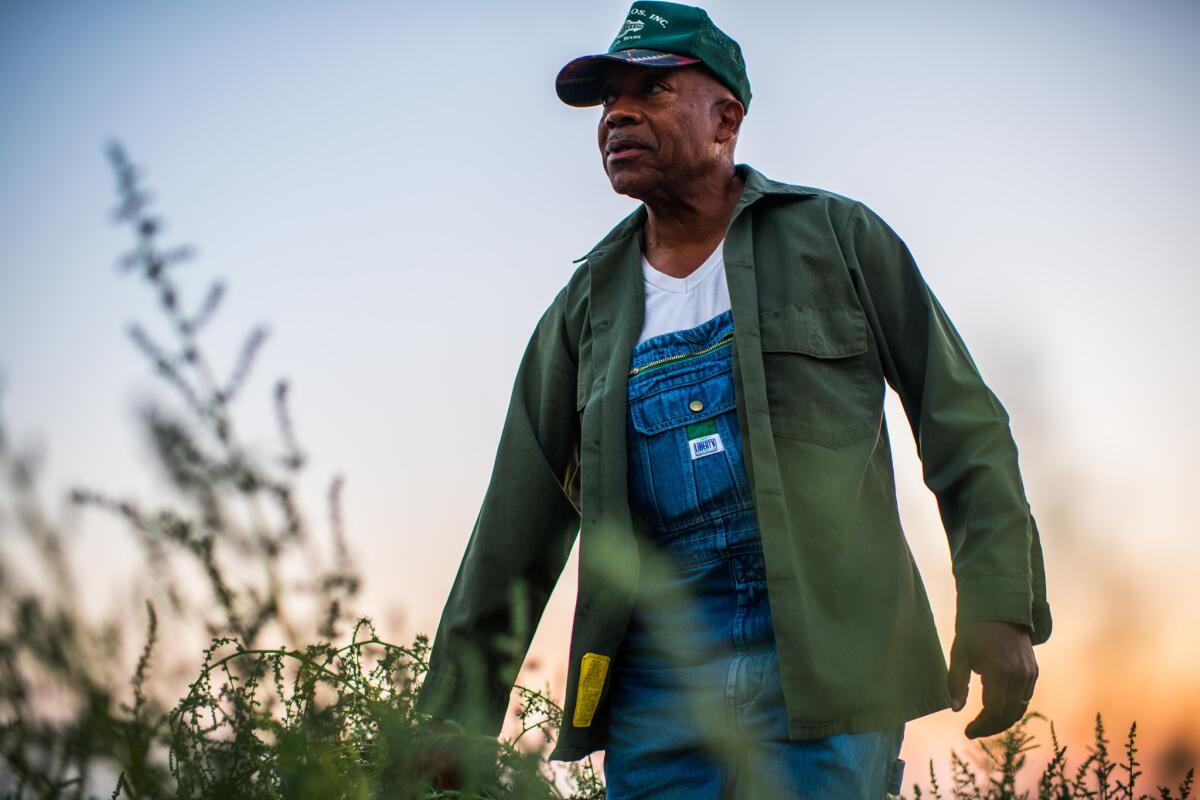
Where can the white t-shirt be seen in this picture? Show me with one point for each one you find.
(675, 304)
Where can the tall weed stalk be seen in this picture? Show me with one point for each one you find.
(277, 709)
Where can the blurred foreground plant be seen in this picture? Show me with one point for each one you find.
(337, 723)
(232, 561)
(306, 719)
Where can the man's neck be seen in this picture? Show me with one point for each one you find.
(685, 225)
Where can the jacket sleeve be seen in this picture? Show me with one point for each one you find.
(968, 456)
(520, 542)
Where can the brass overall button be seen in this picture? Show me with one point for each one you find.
(696, 405)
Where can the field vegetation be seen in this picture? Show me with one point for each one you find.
(294, 695)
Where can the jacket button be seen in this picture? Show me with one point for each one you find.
(696, 405)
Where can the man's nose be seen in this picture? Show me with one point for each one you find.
(621, 112)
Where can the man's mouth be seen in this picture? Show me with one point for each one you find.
(623, 150)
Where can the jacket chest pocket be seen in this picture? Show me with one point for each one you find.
(818, 373)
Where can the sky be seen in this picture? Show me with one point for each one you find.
(397, 192)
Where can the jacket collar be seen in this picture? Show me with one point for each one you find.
(757, 186)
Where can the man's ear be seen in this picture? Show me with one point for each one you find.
(730, 114)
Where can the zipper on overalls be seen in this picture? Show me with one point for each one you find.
(726, 339)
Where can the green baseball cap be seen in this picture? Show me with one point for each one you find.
(657, 34)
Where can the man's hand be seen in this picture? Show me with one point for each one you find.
(1002, 654)
(438, 757)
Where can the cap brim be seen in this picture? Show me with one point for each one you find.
(578, 83)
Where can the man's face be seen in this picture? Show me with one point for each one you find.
(659, 127)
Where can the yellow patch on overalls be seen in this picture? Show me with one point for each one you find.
(592, 670)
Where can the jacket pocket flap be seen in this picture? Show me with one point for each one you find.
(819, 332)
(683, 405)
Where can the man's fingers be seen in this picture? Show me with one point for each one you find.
(1015, 704)
(959, 679)
(1031, 681)
(1027, 685)
(447, 779)
(1003, 655)
(996, 693)
(1004, 702)
(437, 759)
(1027, 689)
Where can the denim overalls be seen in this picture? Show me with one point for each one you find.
(696, 702)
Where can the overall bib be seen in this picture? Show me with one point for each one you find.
(696, 702)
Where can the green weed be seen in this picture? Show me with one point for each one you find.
(308, 718)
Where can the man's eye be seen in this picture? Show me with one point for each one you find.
(654, 87)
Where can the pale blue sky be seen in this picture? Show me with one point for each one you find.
(396, 190)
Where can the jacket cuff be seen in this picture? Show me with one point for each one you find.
(1042, 621)
(998, 598)
(445, 694)
(1007, 600)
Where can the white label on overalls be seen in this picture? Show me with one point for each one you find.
(706, 445)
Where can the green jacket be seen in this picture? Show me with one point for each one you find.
(827, 304)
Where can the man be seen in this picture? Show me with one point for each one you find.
(822, 304)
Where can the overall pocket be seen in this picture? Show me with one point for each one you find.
(817, 368)
(685, 465)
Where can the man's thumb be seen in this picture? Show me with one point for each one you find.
(959, 678)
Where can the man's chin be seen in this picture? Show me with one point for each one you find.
(632, 185)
